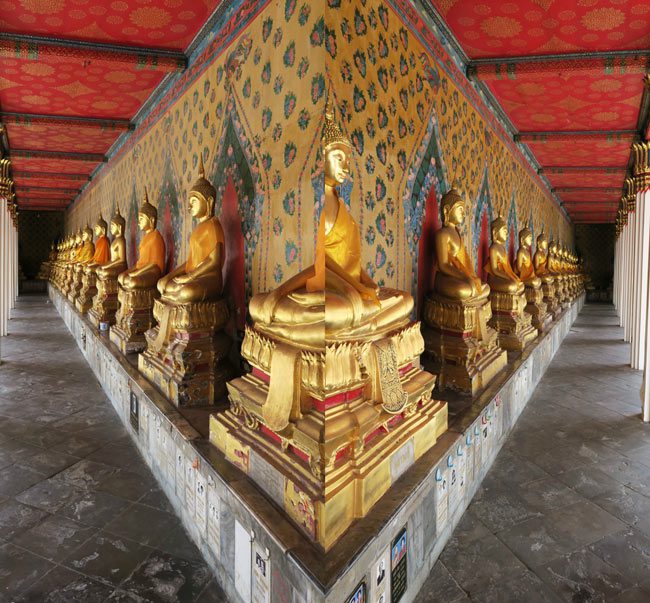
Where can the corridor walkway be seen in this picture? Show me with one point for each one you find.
(564, 514)
(81, 518)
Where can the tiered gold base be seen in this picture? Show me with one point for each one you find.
(75, 283)
(552, 304)
(186, 354)
(357, 415)
(464, 349)
(512, 324)
(88, 291)
(133, 318)
(104, 303)
(536, 307)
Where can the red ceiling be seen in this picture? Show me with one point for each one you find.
(76, 138)
(521, 48)
(160, 23)
(69, 72)
(498, 28)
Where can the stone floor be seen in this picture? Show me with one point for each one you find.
(81, 518)
(564, 514)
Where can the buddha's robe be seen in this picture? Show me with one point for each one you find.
(453, 287)
(512, 284)
(151, 251)
(85, 254)
(527, 271)
(330, 307)
(102, 251)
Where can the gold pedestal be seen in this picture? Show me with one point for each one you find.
(188, 362)
(88, 291)
(464, 349)
(76, 283)
(536, 307)
(104, 303)
(326, 432)
(563, 291)
(552, 304)
(512, 324)
(68, 276)
(133, 319)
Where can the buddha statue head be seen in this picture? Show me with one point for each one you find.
(87, 234)
(525, 238)
(118, 224)
(337, 150)
(542, 242)
(452, 206)
(499, 230)
(78, 238)
(147, 214)
(202, 196)
(552, 247)
(100, 227)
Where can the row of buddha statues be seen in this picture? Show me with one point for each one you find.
(337, 395)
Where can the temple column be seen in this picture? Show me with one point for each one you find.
(3, 269)
(8, 263)
(629, 272)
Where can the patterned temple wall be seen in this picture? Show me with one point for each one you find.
(254, 107)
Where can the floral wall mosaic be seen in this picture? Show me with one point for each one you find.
(255, 109)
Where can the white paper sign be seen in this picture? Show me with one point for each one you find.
(380, 578)
(190, 487)
(180, 476)
(214, 520)
(201, 507)
(261, 575)
(242, 561)
(442, 499)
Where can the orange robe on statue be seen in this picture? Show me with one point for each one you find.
(152, 251)
(102, 251)
(203, 241)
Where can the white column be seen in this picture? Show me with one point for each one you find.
(629, 284)
(617, 259)
(4, 306)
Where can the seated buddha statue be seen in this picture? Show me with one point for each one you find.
(151, 252)
(137, 286)
(540, 259)
(83, 257)
(335, 298)
(102, 252)
(199, 278)
(117, 251)
(105, 302)
(501, 276)
(454, 274)
(100, 257)
(525, 268)
(191, 312)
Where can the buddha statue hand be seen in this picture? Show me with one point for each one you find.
(268, 307)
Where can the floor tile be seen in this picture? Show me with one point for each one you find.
(62, 585)
(16, 518)
(19, 569)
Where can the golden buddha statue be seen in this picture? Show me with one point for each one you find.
(75, 247)
(540, 262)
(464, 348)
(555, 268)
(101, 255)
(83, 257)
(102, 313)
(525, 268)
(336, 376)
(191, 314)
(335, 298)
(137, 286)
(501, 276)
(507, 294)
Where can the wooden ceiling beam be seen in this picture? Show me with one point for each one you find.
(572, 135)
(32, 119)
(26, 47)
(68, 156)
(22, 190)
(588, 189)
(569, 169)
(52, 175)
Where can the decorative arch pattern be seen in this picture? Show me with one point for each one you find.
(483, 216)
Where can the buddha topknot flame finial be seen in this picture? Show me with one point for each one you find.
(332, 133)
(203, 185)
(146, 208)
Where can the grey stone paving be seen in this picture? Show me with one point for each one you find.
(564, 513)
(81, 517)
